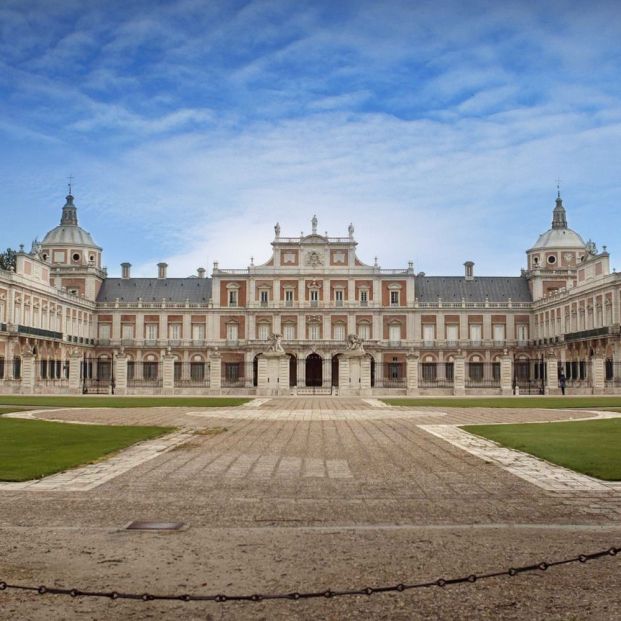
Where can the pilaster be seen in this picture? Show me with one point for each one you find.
(215, 371)
(598, 374)
(168, 374)
(412, 373)
(75, 360)
(459, 375)
(506, 375)
(29, 362)
(121, 374)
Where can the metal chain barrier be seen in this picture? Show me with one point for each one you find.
(327, 593)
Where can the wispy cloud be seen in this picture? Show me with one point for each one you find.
(437, 127)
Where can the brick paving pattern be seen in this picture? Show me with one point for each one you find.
(315, 489)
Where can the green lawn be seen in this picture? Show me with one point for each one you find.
(30, 449)
(588, 402)
(592, 447)
(79, 401)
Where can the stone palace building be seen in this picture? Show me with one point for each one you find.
(312, 319)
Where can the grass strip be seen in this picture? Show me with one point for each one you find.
(30, 449)
(586, 402)
(590, 447)
(86, 401)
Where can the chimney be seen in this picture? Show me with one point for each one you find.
(126, 271)
(201, 272)
(161, 270)
(469, 265)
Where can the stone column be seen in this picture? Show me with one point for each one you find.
(412, 373)
(459, 375)
(551, 385)
(215, 372)
(301, 371)
(121, 375)
(598, 374)
(29, 363)
(75, 361)
(365, 376)
(168, 374)
(283, 375)
(506, 375)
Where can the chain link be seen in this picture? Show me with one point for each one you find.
(296, 595)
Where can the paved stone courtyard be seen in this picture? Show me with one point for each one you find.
(310, 493)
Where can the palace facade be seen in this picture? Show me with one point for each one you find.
(66, 327)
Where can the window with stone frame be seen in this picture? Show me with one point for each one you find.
(198, 331)
(263, 331)
(364, 331)
(232, 332)
(339, 331)
(289, 331)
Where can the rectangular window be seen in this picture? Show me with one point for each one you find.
(394, 298)
(364, 297)
(452, 333)
(475, 332)
(429, 332)
(263, 296)
(289, 297)
(314, 332)
(231, 332)
(289, 332)
(263, 331)
(498, 330)
(233, 297)
(364, 331)
(174, 331)
(150, 331)
(338, 297)
(198, 331)
(127, 331)
(394, 333)
(104, 331)
(314, 297)
(339, 332)
(522, 332)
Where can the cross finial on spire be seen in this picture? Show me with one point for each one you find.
(558, 187)
(70, 178)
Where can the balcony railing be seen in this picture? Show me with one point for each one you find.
(49, 334)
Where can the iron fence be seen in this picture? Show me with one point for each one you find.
(529, 376)
(436, 375)
(577, 373)
(144, 374)
(613, 372)
(482, 375)
(10, 369)
(239, 374)
(191, 374)
(51, 369)
(390, 375)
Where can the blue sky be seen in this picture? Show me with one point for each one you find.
(191, 127)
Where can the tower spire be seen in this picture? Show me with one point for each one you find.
(70, 212)
(559, 217)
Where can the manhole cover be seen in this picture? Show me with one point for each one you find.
(144, 525)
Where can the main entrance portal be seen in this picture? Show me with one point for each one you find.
(314, 368)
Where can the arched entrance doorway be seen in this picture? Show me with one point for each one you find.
(293, 370)
(335, 369)
(314, 371)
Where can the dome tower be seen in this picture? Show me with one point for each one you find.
(73, 255)
(553, 260)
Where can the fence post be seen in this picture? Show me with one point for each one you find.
(411, 370)
(506, 375)
(459, 375)
(598, 374)
(121, 374)
(551, 384)
(215, 372)
(168, 375)
(75, 360)
(29, 362)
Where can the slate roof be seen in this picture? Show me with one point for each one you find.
(197, 290)
(454, 288)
